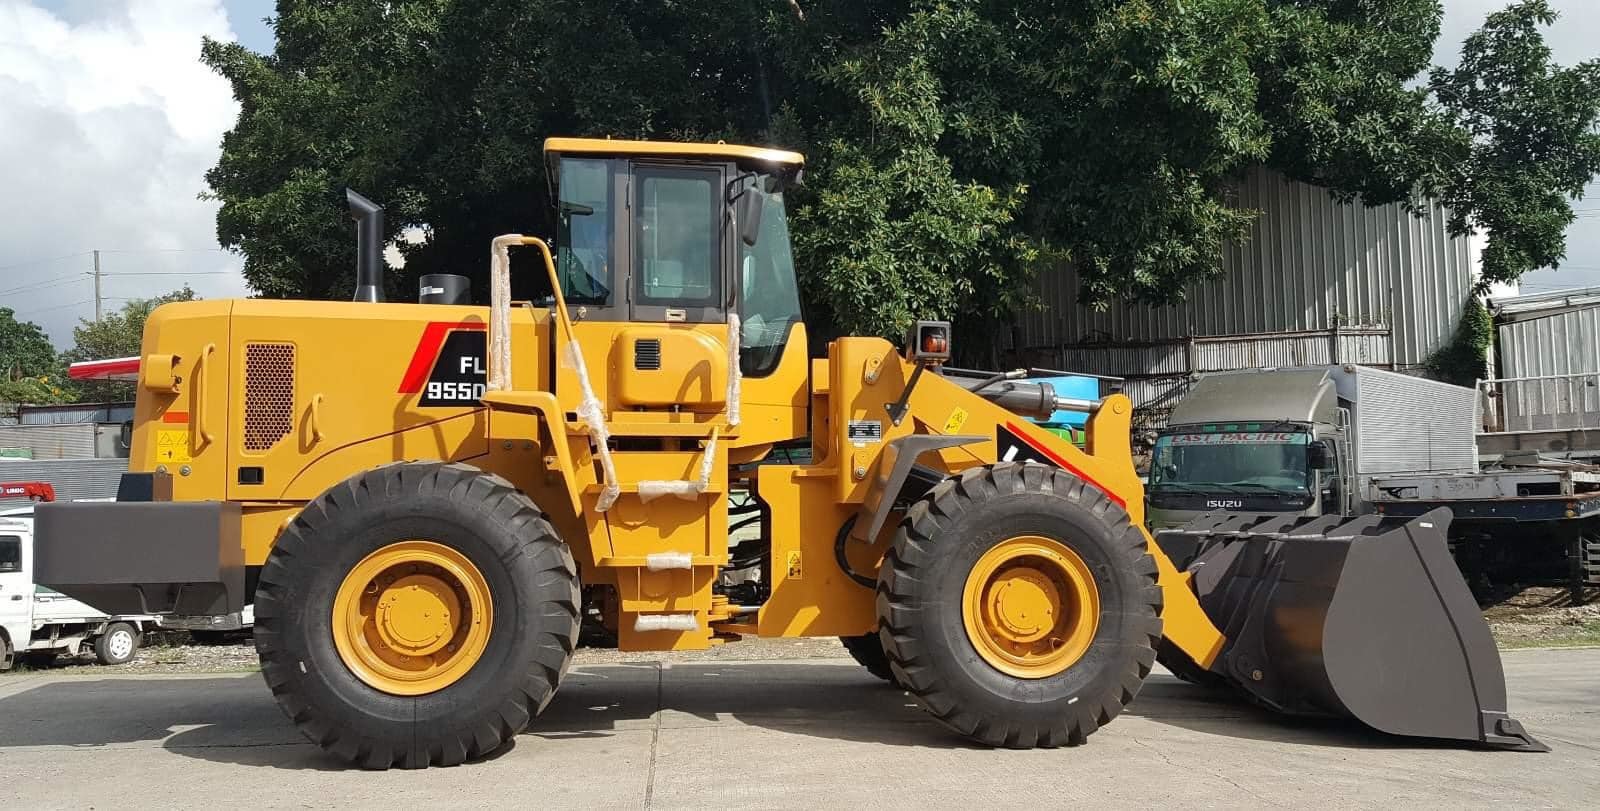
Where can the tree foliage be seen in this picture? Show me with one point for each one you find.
(116, 335)
(955, 147)
(1531, 140)
(25, 350)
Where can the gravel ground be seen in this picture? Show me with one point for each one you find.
(1543, 616)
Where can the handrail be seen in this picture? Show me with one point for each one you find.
(200, 397)
(500, 304)
(589, 408)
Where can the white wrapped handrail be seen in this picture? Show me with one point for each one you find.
(589, 408)
(652, 489)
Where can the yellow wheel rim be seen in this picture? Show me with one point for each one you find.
(412, 618)
(1031, 607)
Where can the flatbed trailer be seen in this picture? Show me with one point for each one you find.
(1548, 503)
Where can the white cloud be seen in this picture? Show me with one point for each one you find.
(108, 123)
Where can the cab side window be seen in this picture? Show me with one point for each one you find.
(10, 554)
(584, 230)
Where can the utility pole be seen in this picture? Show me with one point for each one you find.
(97, 287)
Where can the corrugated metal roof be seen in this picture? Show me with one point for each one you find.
(74, 412)
(1308, 264)
(1534, 305)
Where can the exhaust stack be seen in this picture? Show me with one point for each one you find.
(369, 246)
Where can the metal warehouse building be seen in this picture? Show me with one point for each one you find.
(1315, 282)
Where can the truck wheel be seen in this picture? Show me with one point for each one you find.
(417, 614)
(1019, 606)
(8, 654)
(117, 645)
(868, 652)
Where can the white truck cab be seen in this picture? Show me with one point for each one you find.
(38, 622)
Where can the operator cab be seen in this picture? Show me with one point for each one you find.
(654, 233)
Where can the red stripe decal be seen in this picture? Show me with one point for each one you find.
(428, 351)
(176, 417)
(1064, 464)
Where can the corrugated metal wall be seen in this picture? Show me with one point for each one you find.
(1308, 265)
(1555, 336)
(1558, 344)
(72, 478)
(74, 441)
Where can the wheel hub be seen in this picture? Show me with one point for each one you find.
(1023, 605)
(1031, 606)
(416, 614)
(412, 618)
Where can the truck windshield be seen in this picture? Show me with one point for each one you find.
(1217, 458)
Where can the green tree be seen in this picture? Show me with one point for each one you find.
(117, 335)
(25, 350)
(955, 147)
(1530, 140)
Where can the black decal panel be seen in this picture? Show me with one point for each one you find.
(459, 373)
(1010, 447)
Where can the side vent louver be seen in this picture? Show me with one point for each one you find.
(647, 354)
(268, 394)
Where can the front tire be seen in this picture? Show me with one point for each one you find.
(1019, 606)
(418, 614)
(117, 645)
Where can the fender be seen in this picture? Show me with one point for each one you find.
(894, 466)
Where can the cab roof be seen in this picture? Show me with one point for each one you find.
(609, 146)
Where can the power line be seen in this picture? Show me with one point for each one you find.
(44, 261)
(61, 306)
(34, 287)
(165, 250)
(173, 273)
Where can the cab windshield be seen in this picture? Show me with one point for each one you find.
(769, 301)
(1231, 459)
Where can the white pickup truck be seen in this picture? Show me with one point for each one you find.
(37, 623)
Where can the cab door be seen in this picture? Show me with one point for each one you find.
(16, 582)
(673, 354)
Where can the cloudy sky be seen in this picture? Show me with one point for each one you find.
(108, 122)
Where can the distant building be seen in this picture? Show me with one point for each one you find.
(1315, 282)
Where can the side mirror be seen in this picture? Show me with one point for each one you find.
(748, 212)
(1318, 457)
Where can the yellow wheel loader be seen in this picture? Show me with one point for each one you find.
(423, 502)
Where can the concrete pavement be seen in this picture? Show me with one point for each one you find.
(789, 734)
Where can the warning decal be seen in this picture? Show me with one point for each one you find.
(172, 446)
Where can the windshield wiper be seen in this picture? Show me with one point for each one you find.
(1266, 488)
(1203, 489)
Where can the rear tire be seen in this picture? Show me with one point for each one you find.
(117, 645)
(530, 579)
(922, 610)
(867, 650)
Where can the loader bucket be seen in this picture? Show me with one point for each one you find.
(1362, 618)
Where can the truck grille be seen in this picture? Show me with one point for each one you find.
(268, 394)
